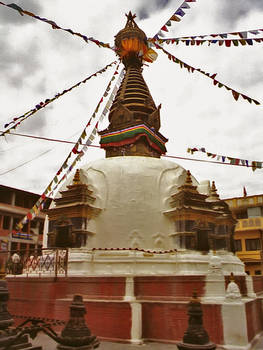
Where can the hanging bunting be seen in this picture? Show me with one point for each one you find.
(242, 35)
(220, 42)
(17, 120)
(176, 17)
(233, 161)
(94, 131)
(55, 26)
(211, 76)
(55, 182)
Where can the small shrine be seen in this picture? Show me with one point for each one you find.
(201, 222)
(68, 219)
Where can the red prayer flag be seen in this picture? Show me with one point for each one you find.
(29, 216)
(244, 191)
(164, 28)
(235, 94)
(75, 150)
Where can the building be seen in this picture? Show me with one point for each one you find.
(14, 205)
(248, 211)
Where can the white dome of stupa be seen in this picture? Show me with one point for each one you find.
(132, 193)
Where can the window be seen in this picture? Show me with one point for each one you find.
(19, 201)
(222, 229)
(6, 222)
(189, 225)
(253, 244)
(13, 247)
(190, 242)
(253, 212)
(23, 248)
(179, 226)
(257, 272)
(41, 227)
(242, 215)
(184, 225)
(5, 196)
(28, 202)
(237, 245)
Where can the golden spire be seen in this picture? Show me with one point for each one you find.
(134, 119)
(214, 193)
(131, 43)
(188, 180)
(76, 180)
(188, 184)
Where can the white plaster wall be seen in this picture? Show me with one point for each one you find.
(132, 192)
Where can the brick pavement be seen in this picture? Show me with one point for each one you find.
(49, 344)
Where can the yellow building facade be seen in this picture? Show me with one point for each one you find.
(248, 211)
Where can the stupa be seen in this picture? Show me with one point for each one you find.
(136, 201)
(142, 232)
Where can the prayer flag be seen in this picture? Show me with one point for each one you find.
(175, 18)
(244, 191)
(180, 12)
(164, 29)
(235, 94)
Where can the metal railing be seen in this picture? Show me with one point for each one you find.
(249, 223)
(46, 261)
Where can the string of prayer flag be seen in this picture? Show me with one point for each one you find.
(78, 149)
(17, 120)
(242, 35)
(54, 25)
(216, 82)
(197, 42)
(230, 160)
(176, 17)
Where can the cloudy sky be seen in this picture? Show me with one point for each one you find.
(37, 62)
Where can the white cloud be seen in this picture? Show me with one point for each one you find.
(38, 62)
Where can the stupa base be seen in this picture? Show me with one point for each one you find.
(185, 346)
(135, 309)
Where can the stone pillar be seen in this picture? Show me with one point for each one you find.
(234, 317)
(129, 289)
(6, 319)
(76, 334)
(136, 327)
(195, 337)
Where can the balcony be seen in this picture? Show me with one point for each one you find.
(249, 224)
